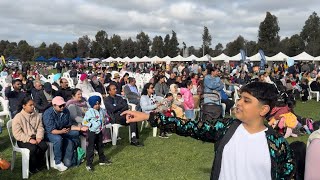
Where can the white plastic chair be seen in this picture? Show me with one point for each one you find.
(66, 75)
(236, 94)
(115, 128)
(25, 153)
(83, 139)
(5, 108)
(313, 93)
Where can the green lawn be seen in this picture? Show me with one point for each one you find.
(174, 158)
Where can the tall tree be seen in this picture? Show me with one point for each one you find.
(55, 50)
(11, 49)
(25, 51)
(157, 47)
(143, 44)
(296, 45)
(206, 40)
(217, 50)
(166, 46)
(192, 50)
(68, 51)
(100, 45)
(127, 48)
(268, 36)
(84, 46)
(233, 48)
(42, 50)
(173, 45)
(3, 45)
(114, 46)
(251, 48)
(310, 34)
(284, 45)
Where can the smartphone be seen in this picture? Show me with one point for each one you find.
(68, 127)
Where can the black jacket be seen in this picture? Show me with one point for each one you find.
(65, 93)
(15, 100)
(40, 101)
(115, 104)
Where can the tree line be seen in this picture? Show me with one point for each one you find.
(104, 46)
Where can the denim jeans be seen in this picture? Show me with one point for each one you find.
(189, 114)
(64, 146)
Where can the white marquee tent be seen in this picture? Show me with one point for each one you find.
(222, 57)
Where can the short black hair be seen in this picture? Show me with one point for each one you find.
(168, 95)
(266, 93)
(74, 91)
(16, 80)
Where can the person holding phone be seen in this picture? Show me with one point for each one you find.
(62, 132)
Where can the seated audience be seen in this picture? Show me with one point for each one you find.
(15, 97)
(77, 106)
(84, 84)
(40, 101)
(28, 130)
(115, 105)
(62, 132)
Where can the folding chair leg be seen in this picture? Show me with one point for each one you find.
(115, 135)
(154, 131)
(25, 165)
(142, 124)
(13, 159)
(47, 159)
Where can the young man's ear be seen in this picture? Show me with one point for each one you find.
(264, 110)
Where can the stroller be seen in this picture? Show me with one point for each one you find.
(211, 109)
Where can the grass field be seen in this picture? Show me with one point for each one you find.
(174, 158)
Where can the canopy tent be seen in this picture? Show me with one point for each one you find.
(166, 59)
(178, 58)
(155, 59)
(109, 59)
(278, 57)
(78, 59)
(221, 57)
(144, 59)
(317, 58)
(53, 59)
(126, 59)
(303, 57)
(40, 59)
(256, 57)
(93, 60)
(206, 57)
(191, 58)
(67, 59)
(236, 57)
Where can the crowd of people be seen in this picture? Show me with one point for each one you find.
(59, 112)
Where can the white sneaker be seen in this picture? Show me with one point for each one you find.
(61, 167)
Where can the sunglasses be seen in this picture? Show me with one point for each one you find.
(61, 106)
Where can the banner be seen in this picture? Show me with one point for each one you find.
(3, 60)
(243, 55)
(263, 60)
(290, 62)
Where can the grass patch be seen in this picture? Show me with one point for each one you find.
(174, 158)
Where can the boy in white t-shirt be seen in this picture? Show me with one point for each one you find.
(245, 147)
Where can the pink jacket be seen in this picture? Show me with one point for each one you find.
(188, 103)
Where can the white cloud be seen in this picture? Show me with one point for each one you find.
(65, 21)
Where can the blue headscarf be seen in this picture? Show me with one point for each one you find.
(93, 100)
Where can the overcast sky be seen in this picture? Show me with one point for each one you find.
(66, 20)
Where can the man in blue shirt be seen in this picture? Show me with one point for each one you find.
(60, 131)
